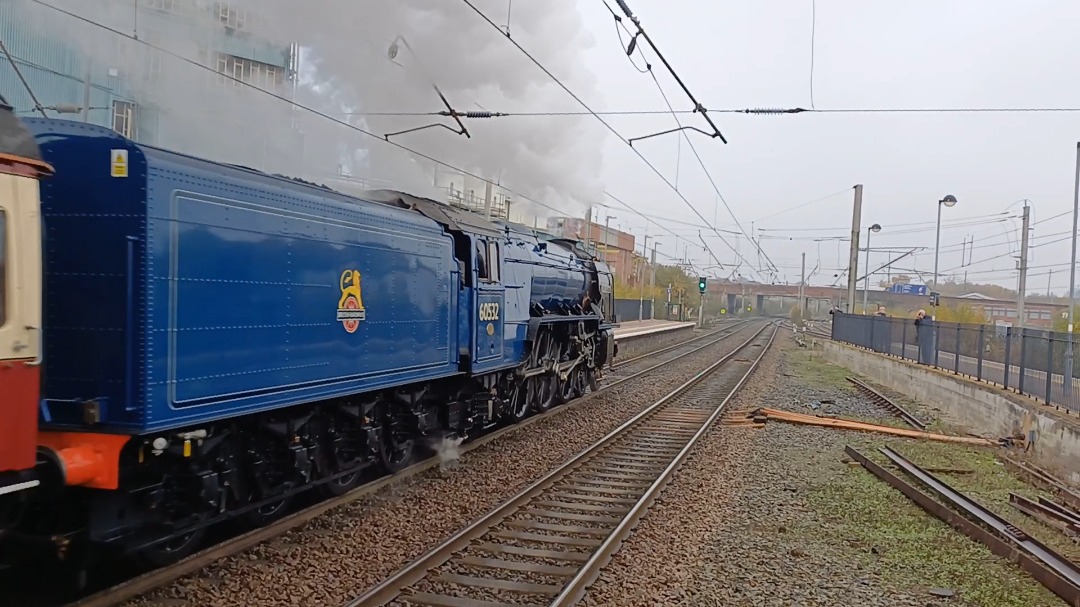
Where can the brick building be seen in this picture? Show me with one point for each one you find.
(614, 246)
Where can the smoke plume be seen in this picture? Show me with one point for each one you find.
(349, 72)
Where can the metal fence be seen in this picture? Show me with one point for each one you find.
(626, 310)
(1030, 361)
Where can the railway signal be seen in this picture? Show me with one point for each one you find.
(701, 284)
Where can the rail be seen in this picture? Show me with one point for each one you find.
(157, 578)
(888, 404)
(738, 324)
(1056, 573)
(621, 475)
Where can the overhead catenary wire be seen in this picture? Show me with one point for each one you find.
(296, 104)
(606, 124)
(309, 109)
(698, 107)
(749, 111)
(705, 169)
(681, 129)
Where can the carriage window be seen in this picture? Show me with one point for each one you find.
(3, 267)
(481, 260)
(493, 250)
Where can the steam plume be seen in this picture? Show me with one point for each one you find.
(347, 72)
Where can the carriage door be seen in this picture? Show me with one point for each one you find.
(490, 302)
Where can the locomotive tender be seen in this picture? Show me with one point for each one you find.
(218, 340)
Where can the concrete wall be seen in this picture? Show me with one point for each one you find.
(630, 347)
(974, 406)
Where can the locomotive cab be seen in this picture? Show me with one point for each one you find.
(21, 167)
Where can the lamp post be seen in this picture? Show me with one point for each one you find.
(866, 283)
(949, 201)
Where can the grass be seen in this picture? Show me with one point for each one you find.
(909, 547)
(913, 549)
(812, 368)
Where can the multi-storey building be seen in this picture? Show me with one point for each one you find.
(614, 246)
(180, 99)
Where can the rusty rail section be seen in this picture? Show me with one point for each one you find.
(1056, 573)
(888, 404)
(1040, 477)
(157, 578)
(1048, 512)
(595, 500)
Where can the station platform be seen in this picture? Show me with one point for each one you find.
(642, 336)
(638, 328)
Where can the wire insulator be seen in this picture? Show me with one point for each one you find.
(773, 110)
(479, 114)
(625, 8)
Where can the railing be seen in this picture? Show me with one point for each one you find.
(1030, 361)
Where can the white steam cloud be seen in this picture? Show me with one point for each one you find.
(346, 72)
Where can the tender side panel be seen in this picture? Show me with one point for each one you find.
(93, 217)
(264, 299)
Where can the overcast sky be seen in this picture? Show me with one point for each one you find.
(867, 55)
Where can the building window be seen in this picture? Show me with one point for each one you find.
(262, 75)
(124, 118)
(230, 15)
(169, 6)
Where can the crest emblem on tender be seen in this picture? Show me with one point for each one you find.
(350, 306)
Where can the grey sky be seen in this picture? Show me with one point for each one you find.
(920, 54)
(868, 55)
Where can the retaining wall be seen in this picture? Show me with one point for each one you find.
(975, 406)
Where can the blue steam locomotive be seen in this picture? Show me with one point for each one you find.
(218, 340)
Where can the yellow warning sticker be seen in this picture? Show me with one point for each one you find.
(119, 162)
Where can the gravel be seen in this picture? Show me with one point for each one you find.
(774, 516)
(336, 556)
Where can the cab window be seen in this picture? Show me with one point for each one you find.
(493, 258)
(481, 260)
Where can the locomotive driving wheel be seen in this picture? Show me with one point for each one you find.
(543, 389)
(520, 400)
(396, 447)
(574, 384)
(170, 551)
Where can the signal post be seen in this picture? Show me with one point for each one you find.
(701, 308)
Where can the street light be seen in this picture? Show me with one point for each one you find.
(866, 284)
(949, 201)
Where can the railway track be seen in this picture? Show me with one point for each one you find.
(619, 369)
(547, 544)
(152, 580)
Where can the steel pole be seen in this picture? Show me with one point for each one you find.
(866, 281)
(1022, 285)
(1067, 380)
(853, 256)
(937, 246)
(641, 277)
(802, 290)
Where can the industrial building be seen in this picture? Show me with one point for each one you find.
(180, 98)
